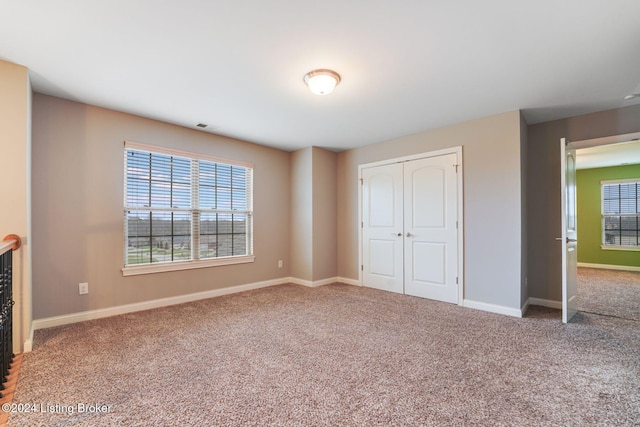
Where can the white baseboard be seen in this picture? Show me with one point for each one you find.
(493, 308)
(312, 284)
(609, 266)
(546, 303)
(66, 319)
(328, 281)
(346, 281)
(28, 344)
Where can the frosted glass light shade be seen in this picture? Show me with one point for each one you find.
(322, 82)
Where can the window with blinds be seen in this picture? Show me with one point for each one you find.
(621, 213)
(185, 208)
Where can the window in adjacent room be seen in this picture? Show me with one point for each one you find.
(620, 214)
(184, 210)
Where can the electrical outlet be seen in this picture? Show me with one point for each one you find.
(279, 263)
(83, 288)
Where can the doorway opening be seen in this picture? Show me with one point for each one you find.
(608, 267)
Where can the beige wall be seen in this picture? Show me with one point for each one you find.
(324, 214)
(77, 186)
(492, 202)
(15, 152)
(524, 292)
(302, 214)
(313, 214)
(543, 189)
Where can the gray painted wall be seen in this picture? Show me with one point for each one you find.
(302, 214)
(543, 189)
(324, 214)
(77, 187)
(313, 214)
(492, 202)
(524, 292)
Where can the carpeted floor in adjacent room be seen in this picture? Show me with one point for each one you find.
(336, 355)
(609, 292)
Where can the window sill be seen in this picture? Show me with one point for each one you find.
(620, 248)
(134, 270)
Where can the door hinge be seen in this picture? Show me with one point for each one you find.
(456, 166)
(362, 267)
(456, 225)
(456, 280)
(362, 224)
(361, 181)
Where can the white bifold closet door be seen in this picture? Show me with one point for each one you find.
(409, 230)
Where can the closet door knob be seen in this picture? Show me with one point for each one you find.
(409, 234)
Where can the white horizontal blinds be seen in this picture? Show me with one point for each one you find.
(621, 213)
(179, 208)
(225, 210)
(158, 207)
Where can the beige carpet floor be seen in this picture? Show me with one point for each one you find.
(336, 355)
(609, 292)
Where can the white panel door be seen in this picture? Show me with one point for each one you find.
(382, 227)
(431, 238)
(569, 233)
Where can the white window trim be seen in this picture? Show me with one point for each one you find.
(620, 248)
(159, 267)
(603, 215)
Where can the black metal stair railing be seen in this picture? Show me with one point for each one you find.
(10, 243)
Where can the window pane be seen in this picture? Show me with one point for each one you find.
(611, 191)
(611, 206)
(223, 175)
(208, 235)
(225, 230)
(208, 223)
(225, 224)
(612, 223)
(239, 234)
(170, 236)
(223, 198)
(208, 246)
(138, 238)
(239, 177)
(239, 199)
(611, 238)
(628, 223)
(137, 187)
(207, 197)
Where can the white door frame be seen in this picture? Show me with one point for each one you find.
(577, 145)
(460, 212)
(568, 236)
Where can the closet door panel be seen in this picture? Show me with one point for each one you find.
(430, 213)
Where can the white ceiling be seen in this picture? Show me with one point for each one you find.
(406, 66)
(626, 153)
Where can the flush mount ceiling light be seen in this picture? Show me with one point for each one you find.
(322, 82)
